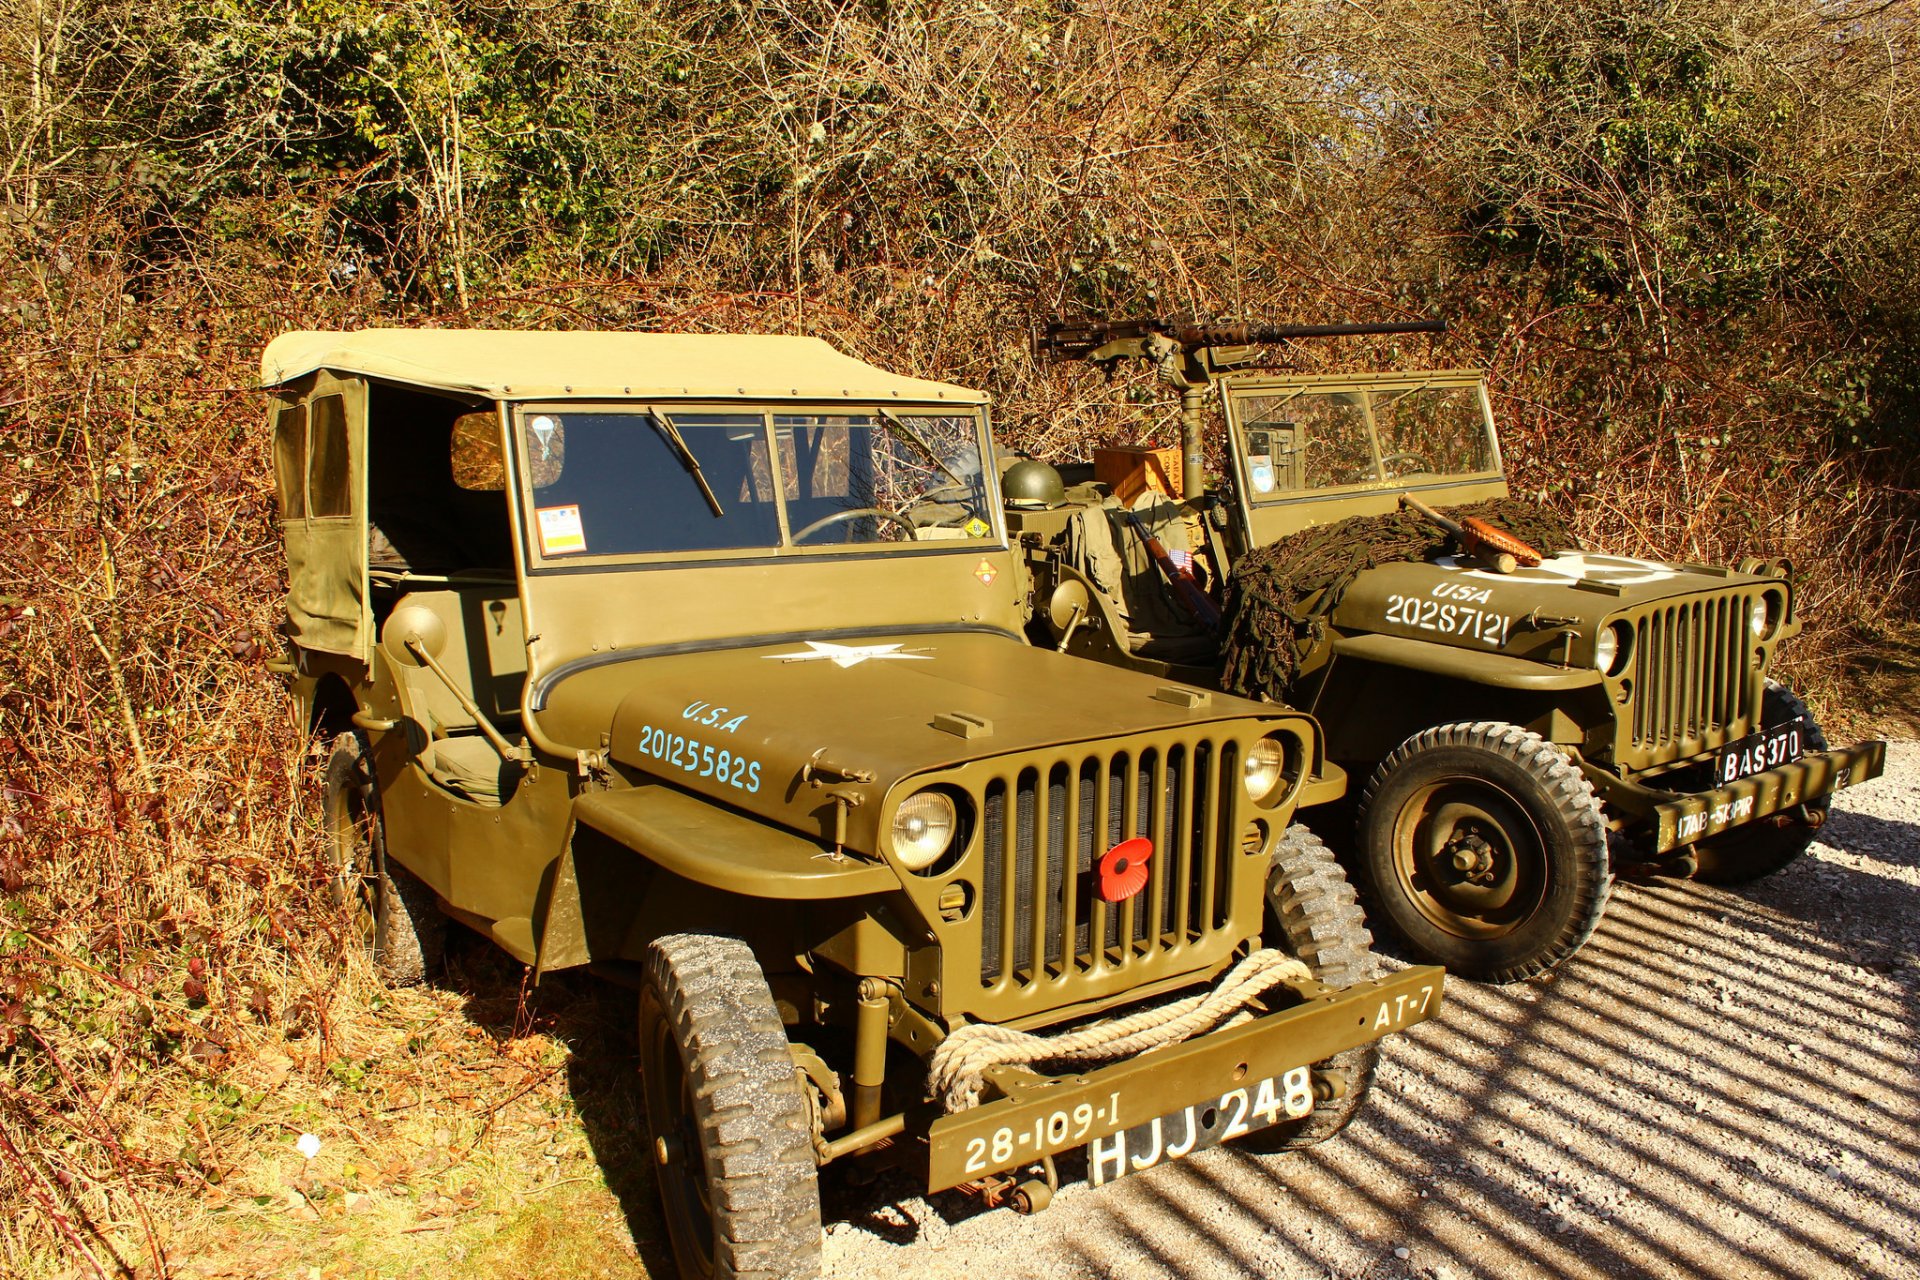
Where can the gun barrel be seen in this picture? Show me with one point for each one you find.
(1248, 335)
(1076, 341)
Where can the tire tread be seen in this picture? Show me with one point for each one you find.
(757, 1129)
(1321, 924)
(1561, 784)
(410, 930)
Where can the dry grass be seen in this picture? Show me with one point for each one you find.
(463, 1127)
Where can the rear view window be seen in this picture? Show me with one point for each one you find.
(330, 491)
(290, 461)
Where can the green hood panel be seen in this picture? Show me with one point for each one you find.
(774, 729)
(1456, 602)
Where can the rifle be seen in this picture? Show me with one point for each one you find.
(1501, 550)
(1185, 589)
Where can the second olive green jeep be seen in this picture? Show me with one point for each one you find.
(698, 660)
(1519, 729)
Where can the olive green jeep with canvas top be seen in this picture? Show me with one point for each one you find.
(1528, 721)
(699, 660)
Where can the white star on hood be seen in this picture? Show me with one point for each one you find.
(845, 655)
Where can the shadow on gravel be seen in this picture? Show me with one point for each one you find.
(1880, 839)
(1722, 1084)
(1716, 1087)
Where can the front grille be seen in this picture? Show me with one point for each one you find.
(1692, 674)
(1043, 830)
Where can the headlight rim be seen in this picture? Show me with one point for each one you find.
(1287, 770)
(1613, 661)
(955, 842)
(1769, 616)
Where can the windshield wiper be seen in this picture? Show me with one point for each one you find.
(678, 443)
(899, 430)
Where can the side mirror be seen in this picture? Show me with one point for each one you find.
(477, 461)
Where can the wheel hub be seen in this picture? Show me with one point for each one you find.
(1469, 858)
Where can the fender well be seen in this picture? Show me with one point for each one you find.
(1367, 708)
(653, 860)
(327, 706)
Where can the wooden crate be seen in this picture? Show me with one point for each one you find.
(1131, 470)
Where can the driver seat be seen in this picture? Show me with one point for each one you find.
(1101, 544)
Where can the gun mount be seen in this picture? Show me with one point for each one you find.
(1192, 355)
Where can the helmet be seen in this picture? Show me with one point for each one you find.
(1032, 484)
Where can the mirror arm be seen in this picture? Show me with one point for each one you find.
(506, 749)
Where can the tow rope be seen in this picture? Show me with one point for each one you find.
(962, 1059)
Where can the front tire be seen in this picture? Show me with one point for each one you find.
(394, 916)
(1315, 916)
(1767, 845)
(1483, 847)
(732, 1137)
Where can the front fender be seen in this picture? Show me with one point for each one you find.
(701, 844)
(698, 840)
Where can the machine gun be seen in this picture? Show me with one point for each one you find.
(1087, 340)
(1192, 355)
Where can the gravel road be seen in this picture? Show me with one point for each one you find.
(1723, 1083)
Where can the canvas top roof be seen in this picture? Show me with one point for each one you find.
(507, 364)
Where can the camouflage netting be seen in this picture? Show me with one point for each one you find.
(1279, 596)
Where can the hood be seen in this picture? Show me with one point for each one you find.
(772, 727)
(1456, 601)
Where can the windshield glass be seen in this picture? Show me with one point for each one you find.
(1300, 440)
(644, 482)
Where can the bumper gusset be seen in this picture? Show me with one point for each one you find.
(1691, 818)
(1051, 1115)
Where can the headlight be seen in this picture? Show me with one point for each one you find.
(923, 828)
(1768, 613)
(1265, 769)
(1610, 648)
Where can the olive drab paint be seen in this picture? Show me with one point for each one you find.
(1642, 672)
(590, 732)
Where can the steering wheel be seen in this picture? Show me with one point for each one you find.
(837, 517)
(1386, 471)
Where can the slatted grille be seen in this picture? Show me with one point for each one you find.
(1043, 831)
(1691, 672)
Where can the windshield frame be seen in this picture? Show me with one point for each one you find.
(1235, 390)
(536, 563)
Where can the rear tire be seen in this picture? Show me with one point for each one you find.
(1768, 844)
(395, 917)
(1314, 916)
(732, 1136)
(1483, 847)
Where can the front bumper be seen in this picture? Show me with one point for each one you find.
(1045, 1116)
(1692, 818)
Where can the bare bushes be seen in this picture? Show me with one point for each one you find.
(161, 910)
(1678, 236)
